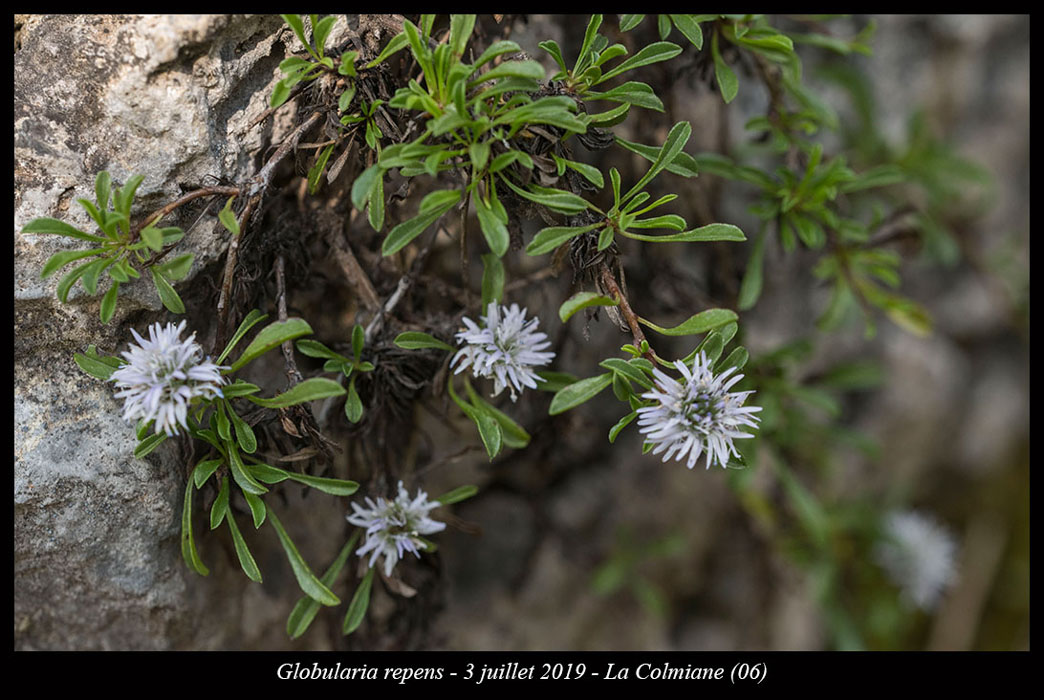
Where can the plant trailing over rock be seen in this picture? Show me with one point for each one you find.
(444, 120)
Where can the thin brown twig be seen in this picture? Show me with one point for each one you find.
(342, 253)
(293, 375)
(625, 309)
(184, 199)
(229, 273)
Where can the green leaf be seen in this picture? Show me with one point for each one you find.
(627, 370)
(220, 507)
(239, 388)
(360, 602)
(676, 140)
(699, 323)
(188, 544)
(589, 37)
(663, 25)
(93, 271)
(167, 295)
(507, 158)
(251, 319)
(433, 206)
(631, 92)
(313, 348)
(690, 28)
(267, 473)
(364, 185)
(322, 30)
(316, 172)
(493, 228)
(358, 340)
(69, 279)
(177, 268)
(108, 304)
(555, 381)
(257, 509)
(750, 288)
(204, 470)
(312, 586)
(492, 280)
(239, 473)
(512, 434)
(710, 232)
(298, 26)
(93, 366)
(653, 53)
(306, 609)
(308, 390)
(582, 300)
(550, 238)
(461, 493)
(610, 117)
(271, 336)
(737, 358)
(221, 424)
(488, 426)
(153, 238)
(683, 164)
(590, 173)
(244, 433)
(149, 444)
(60, 228)
(246, 560)
(63, 258)
(629, 22)
(280, 94)
(334, 487)
(353, 408)
(102, 188)
(554, 199)
(227, 217)
(124, 196)
(414, 340)
(397, 43)
(620, 425)
(579, 392)
(727, 82)
(495, 49)
(552, 47)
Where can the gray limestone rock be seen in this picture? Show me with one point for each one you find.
(97, 557)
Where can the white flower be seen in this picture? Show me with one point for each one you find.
(697, 416)
(393, 527)
(507, 348)
(163, 375)
(918, 555)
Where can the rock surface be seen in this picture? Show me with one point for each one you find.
(97, 558)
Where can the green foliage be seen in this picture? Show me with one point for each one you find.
(123, 252)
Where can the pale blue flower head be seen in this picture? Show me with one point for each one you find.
(163, 375)
(394, 527)
(505, 348)
(698, 415)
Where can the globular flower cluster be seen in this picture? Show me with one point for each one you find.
(697, 416)
(505, 347)
(918, 555)
(393, 527)
(162, 377)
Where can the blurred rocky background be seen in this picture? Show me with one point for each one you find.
(573, 543)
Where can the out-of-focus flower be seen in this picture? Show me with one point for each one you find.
(163, 375)
(918, 555)
(394, 527)
(506, 347)
(698, 415)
